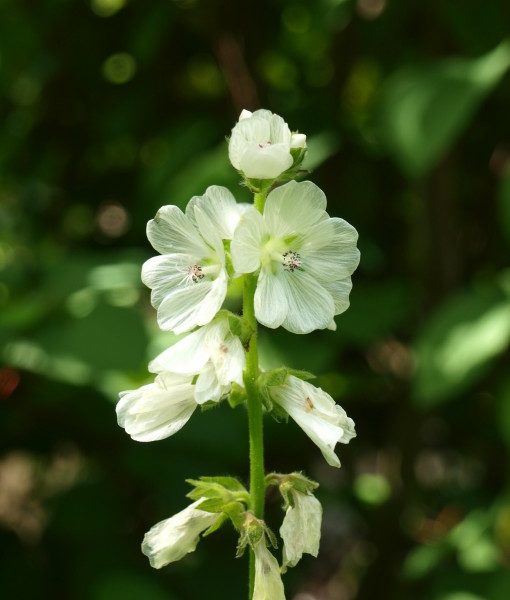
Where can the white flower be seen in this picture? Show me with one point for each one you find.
(260, 145)
(171, 539)
(189, 279)
(212, 352)
(268, 582)
(157, 410)
(305, 258)
(324, 422)
(301, 528)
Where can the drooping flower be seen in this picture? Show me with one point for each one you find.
(261, 143)
(268, 582)
(301, 528)
(171, 539)
(213, 353)
(324, 422)
(305, 258)
(189, 279)
(157, 410)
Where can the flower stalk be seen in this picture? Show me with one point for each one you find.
(296, 263)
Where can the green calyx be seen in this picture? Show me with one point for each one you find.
(287, 483)
(252, 531)
(223, 495)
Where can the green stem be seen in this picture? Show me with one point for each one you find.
(255, 414)
(259, 200)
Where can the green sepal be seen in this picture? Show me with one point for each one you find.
(230, 483)
(304, 375)
(292, 481)
(209, 405)
(237, 395)
(222, 489)
(220, 521)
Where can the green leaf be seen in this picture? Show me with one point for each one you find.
(425, 108)
(460, 340)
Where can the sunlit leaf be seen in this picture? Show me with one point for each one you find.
(425, 108)
(459, 341)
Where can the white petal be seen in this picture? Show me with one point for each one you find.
(339, 291)
(208, 387)
(301, 528)
(246, 244)
(210, 233)
(298, 140)
(229, 361)
(292, 209)
(245, 114)
(164, 273)
(332, 254)
(187, 356)
(310, 305)
(158, 410)
(247, 131)
(192, 304)
(265, 161)
(171, 232)
(268, 582)
(220, 208)
(171, 539)
(271, 304)
(279, 130)
(324, 421)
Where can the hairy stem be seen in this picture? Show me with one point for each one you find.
(255, 415)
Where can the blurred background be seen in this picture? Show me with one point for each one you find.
(112, 108)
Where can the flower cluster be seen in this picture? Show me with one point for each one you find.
(296, 262)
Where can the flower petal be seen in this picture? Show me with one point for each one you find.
(271, 306)
(187, 356)
(310, 305)
(315, 411)
(172, 232)
(208, 387)
(158, 410)
(247, 130)
(220, 208)
(265, 161)
(292, 209)
(268, 582)
(192, 304)
(301, 528)
(246, 244)
(171, 539)
(339, 291)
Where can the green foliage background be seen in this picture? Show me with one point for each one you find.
(111, 108)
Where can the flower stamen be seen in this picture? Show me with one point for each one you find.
(292, 261)
(194, 273)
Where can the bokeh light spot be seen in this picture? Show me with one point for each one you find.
(107, 8)
(112, 219)
(119, 68)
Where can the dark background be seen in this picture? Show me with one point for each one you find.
(112, 108)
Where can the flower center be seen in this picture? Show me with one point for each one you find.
(264, 145)
(194, 273)
(292, 261)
